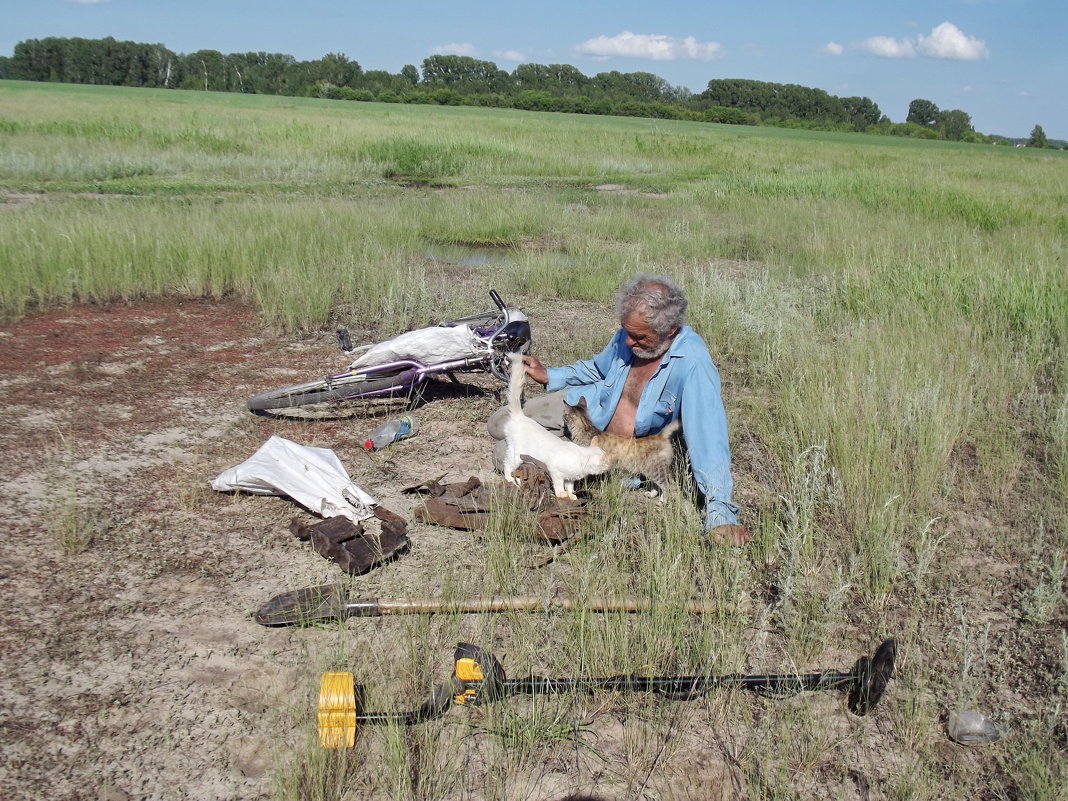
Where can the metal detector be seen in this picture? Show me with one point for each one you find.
(479, 678)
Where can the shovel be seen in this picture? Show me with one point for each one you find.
(330, 602)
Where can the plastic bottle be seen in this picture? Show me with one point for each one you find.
(391, 431)
(969, 727)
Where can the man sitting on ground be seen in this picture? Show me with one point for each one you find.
(653, 370)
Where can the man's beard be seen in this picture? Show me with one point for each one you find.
(652, 353)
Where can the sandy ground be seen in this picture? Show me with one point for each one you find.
(132, 669)
(130, 666)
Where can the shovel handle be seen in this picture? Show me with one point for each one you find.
(520, 603)
(329, 602)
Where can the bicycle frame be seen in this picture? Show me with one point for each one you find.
(502, 331)
(407, 374)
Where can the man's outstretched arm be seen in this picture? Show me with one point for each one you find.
(585, 371)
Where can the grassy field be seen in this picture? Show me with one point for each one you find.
(890, 317)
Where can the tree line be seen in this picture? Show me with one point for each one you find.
(463, 80)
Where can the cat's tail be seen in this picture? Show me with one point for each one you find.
(669, 430)
(517, 375)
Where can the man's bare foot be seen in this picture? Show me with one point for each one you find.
(730, 534)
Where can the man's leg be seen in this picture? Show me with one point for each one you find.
(547, 409)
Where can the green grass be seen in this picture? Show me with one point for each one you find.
(891, 318)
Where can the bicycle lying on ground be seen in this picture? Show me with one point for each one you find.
(476, 343)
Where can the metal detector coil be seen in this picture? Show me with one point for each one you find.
(872, 676)
(337, 710)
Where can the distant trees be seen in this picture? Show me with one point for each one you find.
(335, 69)
(1038, 137)
(556, 79)
(265, 73)
(862, 112)
(205, 69)
(464, 75)
(922, 112)
(462, 80)
(954, 125)
(777, 101)
(94, 61)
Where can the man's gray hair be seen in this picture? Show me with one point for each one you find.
(657, 299)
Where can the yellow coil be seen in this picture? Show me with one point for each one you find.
(337, 710)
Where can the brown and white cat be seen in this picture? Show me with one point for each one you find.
(649, 456)
(566, 461)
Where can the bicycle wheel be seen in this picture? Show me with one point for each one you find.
(322, 391)
(498, 364)
(513, 338)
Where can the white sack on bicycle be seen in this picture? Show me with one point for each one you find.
(426, 346)
(313, 477)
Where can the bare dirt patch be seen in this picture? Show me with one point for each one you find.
(18, 199)
(620, 189)
(131, 669)
(130, 666)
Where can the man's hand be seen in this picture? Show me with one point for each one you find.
(730, 534)
(535, 369)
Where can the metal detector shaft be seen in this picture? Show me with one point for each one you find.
(679, 687)
(434, 707)
(865, 683)
(673, 686)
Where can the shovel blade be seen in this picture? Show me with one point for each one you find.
(301, 607)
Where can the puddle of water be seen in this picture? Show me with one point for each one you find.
(470, 256)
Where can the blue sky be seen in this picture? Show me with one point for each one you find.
(1004, 62)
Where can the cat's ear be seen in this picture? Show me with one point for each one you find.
(582, 403)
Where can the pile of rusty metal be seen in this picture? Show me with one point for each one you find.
(467, 505)
(355, 549)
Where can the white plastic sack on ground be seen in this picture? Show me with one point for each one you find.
(314, 477)
(424, 345)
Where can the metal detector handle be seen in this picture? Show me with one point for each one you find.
(497, 299)
(479, 673)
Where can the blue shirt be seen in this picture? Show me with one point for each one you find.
(686, 384)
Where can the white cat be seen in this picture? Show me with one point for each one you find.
(566, 461)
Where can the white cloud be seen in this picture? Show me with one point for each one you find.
(888, 47)
(949, 41)
(509, 55)
(655, 47)
(833, 49)
(454, 49)
(945, 41)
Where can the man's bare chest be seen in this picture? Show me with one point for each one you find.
(637, 379)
